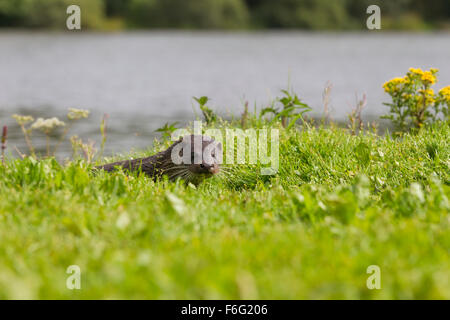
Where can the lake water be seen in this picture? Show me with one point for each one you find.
(145, 79)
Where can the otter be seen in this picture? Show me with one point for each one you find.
(192, 158)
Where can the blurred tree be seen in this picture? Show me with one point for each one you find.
(307, 14)
(404, 14)
(116, 8)
(226, 14)
(12, 12)
(433, 11)
(49, 13)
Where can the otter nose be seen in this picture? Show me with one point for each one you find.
(212, 168)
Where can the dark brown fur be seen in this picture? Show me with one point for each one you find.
(161, 164)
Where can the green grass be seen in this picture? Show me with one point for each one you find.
(338, 204)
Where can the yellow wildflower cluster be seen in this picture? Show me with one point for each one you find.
(394, 85)
(445, 93)
(414, 102)
(428, 77)
(415, 76)
(428, 94)
(417, 71)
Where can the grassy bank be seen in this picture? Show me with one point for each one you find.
(338, 204)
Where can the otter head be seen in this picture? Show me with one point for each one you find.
(197, 157)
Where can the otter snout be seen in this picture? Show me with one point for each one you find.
(210, 168)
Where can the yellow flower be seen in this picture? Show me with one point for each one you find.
(434, 70)
(406, 95)
(397, 80)
(428, 77)
(427, 92)
(429, 96)
(393, 84)
(445, 93)
(417, 71)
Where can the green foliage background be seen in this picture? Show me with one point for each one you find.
(226, 14)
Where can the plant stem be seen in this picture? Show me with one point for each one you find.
(27, 140)
(66, 130)
(103, 132)
(4, 140)
(47, 140)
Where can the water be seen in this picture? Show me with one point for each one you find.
(145, 79)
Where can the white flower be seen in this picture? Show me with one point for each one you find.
(47, 125)
(22, 120)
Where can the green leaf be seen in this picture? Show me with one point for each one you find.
(202, 100)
